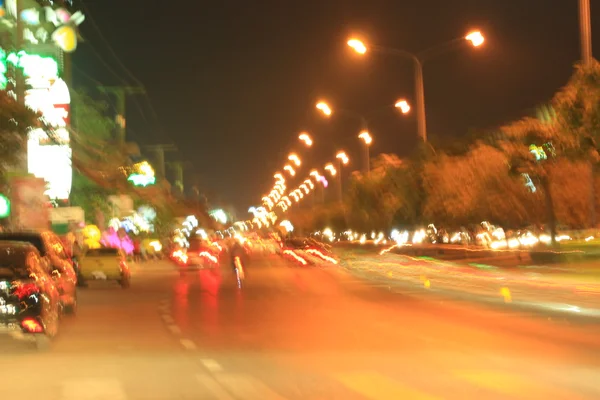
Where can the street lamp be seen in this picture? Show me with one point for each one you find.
(403, 106)
(475, 38)
(324, 108)
(365, 136)
(343, 159)
(289, 169)
(305, 137)
(294, 157)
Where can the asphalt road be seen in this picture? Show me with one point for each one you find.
(299, 333)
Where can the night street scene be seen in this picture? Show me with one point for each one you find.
(299, 200)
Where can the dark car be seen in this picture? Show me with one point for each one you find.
(29, 298)
(55, 260)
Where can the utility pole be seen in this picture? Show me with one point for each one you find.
(120, 93)
(585, 30)
(159, 157)
(178, 168)
(585, 27)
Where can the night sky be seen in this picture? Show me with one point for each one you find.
(234, 82)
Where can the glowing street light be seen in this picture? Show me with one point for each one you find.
(476, 38)
(279, 177)
(357, 45)
(289, 169)
(305, 137)
(309, 183)
(324, 108)
(315, 174)
(403, 106)
(294, 157)
(341, 155)
(366, 137)
(329, 167)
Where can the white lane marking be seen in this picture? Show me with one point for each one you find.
(168, 319)
(211, 365)
(93, 389)
(213, 387)
(188, 344)
(247, 387)
(174, 329)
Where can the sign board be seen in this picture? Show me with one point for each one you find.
(66, 215)
(29, 203)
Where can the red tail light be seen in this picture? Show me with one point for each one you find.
(24, 290)
(32, 325)
(124, 266)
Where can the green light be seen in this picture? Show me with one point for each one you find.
(141, 180)
(33, 65)
(4, 206)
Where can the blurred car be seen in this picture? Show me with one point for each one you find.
(199, 255)
(55, 260)
(29, 298)
(106, 263)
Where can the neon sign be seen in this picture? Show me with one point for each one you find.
(47, 158)
(46, 24)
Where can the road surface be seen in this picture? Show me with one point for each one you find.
(300, 333)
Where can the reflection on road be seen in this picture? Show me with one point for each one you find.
(310, 332)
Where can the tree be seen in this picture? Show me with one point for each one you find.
(386, 197)
(91, 141)
(474, 187)
(16, 121)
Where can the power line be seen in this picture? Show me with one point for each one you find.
(107, 44)
(122, 65)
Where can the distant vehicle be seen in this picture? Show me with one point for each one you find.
(29, 298)
(55, 260)
(109, 264)
(199, 255)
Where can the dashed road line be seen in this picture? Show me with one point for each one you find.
(214, 387)
(168, 319)
(211, 365)
(93, 389)
(174, 329)
(188, 344)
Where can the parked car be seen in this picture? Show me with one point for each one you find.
(29, 297)
(55, 260)
(106, 263)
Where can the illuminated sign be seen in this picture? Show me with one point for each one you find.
(47, 158)
(45, 24)
(143, 174)
(4, 206)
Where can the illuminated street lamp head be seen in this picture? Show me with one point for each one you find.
(357, 45)
(279, 177)
(294, 157)
(403, 106)
(329, 167)
(476, 38)
(366, 137)
(343, 157)
(289, 169)
(305, 137)
(324, 108)
(314, 173)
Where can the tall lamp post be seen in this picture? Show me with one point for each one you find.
(343, 159)
(476, 39)
(365, 136)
